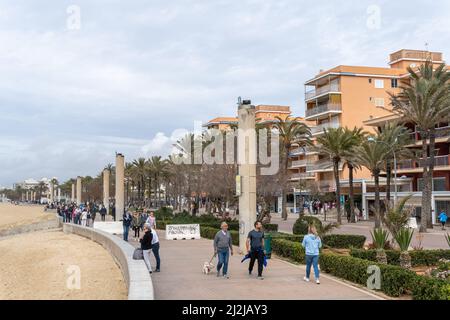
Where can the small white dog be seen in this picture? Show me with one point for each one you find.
(208, 266)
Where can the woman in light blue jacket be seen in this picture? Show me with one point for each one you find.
(312, 244)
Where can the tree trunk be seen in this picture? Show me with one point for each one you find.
(338, 190)
(426, 205)
(430, 221)
(376, 175)
(351, 194)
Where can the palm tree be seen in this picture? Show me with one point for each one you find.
(372, 155)
(425, 100)
(157, 168)
(140, 166)
(352, 164)
(337, 143)
(290, 131)
(395, 136)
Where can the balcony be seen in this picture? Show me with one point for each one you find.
(326, 185)
(302, 176)
(442, 132)
(408, 165)
(328, 125)
(303, 150)
(298, 164)
(320, 91)
(322, 165)
(322, 111)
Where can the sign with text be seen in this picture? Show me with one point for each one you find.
(182, 231)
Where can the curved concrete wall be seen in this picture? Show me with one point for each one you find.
(135, 273)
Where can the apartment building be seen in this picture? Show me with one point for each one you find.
(349, 96)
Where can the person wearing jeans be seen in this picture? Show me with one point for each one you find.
(312, 244)
(127, 218)
(155, 250)
(223, 245)
(146, 246)
(255, 248)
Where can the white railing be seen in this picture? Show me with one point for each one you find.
(302, 175)
(298, 163)
(323, 109)
(333, 87)
(328, 125)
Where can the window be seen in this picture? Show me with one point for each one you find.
(394, 83)
(379, 83)
(379, 102)
(438, 184)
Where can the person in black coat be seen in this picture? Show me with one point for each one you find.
(146, 245)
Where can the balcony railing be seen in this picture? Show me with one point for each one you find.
(302, 150)
(324, 164)
(442, 132)
(328, 125)
(302, 175)
(298, 163)
(323, 109)
(439, 161)
(333, 87)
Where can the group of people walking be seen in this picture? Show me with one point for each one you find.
(83, 214)
(223, 248)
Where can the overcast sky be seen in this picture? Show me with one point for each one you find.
(126, 74)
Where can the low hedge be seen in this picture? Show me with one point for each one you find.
(287, 236)
(270, 227)
(210, 233)
(395, 280)
(289, 249)
(344, 241)
(418, 257)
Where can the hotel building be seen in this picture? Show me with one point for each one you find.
(349, 96)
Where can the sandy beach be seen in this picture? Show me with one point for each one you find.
(12, 216)
(43, 265)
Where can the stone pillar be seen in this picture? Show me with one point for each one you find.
(247, 172)
(78, 191)
(106, 188)
(72, 199)
(51, 192)
(120, 185)
(59, 194)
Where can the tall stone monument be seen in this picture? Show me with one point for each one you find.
(247, 149)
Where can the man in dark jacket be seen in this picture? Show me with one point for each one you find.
(146, 245)
(127, 218)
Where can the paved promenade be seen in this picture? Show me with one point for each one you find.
(182, 278)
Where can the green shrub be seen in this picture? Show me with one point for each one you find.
(302, 224)
(395, 281)
(344, 241)
(427, 288)
(164, 213)
(210, 233)
(418, 257)
(288, 249)
(287, 236)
